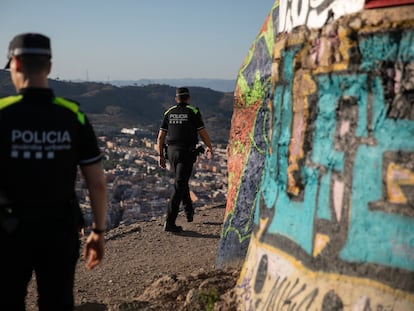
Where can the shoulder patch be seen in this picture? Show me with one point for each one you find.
(72, 106)
(168, 110)
(194, 109)
(9, 100)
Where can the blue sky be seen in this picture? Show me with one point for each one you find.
(137, 39)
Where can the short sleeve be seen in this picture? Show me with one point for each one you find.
(164, 124)
(199, 121)
(89, 151)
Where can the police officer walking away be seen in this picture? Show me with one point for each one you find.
(180, 128)
(43, 141)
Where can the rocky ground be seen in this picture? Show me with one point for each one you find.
(146, 268)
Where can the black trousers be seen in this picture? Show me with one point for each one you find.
(51, 252)
(181, 160)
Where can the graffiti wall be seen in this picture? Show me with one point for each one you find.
(251, 119)
(333, 207)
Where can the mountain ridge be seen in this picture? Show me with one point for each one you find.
(131, 106)
(221, 85)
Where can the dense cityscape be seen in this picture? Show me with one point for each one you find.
(138, 189)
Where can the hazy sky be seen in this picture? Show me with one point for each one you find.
(135, 39)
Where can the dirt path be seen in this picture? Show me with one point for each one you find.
(139, 254)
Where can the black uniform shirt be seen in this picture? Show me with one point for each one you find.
(182, 123)
(43, 139)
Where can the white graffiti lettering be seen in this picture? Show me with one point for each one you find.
(313, 13)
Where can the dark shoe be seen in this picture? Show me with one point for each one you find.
(190, 217)
(172, 228)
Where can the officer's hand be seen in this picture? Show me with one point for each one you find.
(161, 162)
(94, 250)
(209, 152)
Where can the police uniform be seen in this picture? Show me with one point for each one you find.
(43, 139)
(182, 123)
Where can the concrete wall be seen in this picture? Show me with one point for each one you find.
(321, 163)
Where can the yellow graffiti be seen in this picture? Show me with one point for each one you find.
(285, 274)
(263, 223)
(320, 242)
(303, 86)
(398, 176)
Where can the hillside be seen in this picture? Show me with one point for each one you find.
(133, 106)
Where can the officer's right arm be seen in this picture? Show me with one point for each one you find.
(95, 181)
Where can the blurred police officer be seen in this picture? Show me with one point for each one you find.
(43, 140)
(179, 130)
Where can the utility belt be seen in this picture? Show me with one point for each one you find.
(63, 214)
(194, 150)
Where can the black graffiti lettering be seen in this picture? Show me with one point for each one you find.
(288, 296)
(291, 296)
(284, 301)
(310, 298)
(384, 308)
(272, 297)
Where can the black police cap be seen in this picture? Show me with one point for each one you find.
(28, 43)
(182, 91)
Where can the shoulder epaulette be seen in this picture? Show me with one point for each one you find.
(194, 109)
(10, 100)
(168, 110)
(72, 106)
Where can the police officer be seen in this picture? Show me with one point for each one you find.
(180, 128)
(43, 140)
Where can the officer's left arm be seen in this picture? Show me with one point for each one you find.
(160, 142)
